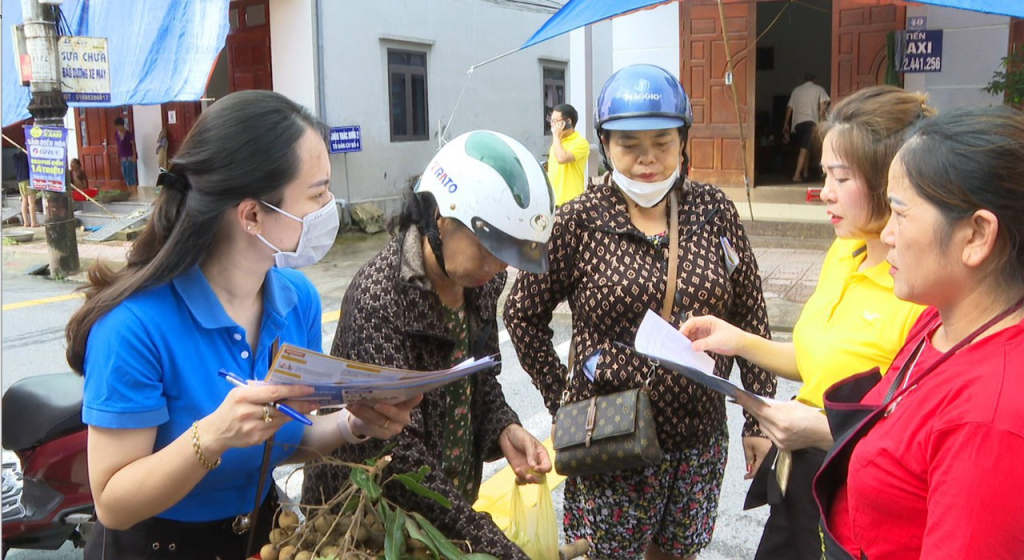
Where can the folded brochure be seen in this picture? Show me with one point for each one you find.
(338, 381)
(660, 341)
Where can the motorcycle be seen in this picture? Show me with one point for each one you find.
(46, 499)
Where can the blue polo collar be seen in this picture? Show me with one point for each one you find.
(278, 298)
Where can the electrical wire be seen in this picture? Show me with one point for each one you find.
(739, 116)
(766, 30)
(63, 27)
(551, 6)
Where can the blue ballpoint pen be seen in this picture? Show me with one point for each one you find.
(238, 381)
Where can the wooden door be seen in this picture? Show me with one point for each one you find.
(248, 45)
(184, 115)
(97, 145)
(859, 31)
(716, 154)
(1016, 35)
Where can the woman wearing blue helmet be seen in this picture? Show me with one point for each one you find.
(609, 257)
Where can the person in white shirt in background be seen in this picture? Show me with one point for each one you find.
(807, 106)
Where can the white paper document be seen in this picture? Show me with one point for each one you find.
(338, 381)
(660, 341)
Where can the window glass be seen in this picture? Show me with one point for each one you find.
(407, 85)
(553, 93)
(255, 15)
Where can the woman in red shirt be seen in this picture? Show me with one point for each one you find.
(927, 460)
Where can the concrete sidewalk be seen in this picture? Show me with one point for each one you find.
(789, 267)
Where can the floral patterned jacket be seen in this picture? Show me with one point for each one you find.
(611, 274)
(391, 316)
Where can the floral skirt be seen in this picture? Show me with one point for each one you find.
(673, 504)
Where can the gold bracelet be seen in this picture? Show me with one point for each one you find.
(199, 450)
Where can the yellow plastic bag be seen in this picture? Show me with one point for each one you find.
(534, 529)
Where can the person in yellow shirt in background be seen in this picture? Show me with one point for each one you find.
(567, 159)
(853, 322)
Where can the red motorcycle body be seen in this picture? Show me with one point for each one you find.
(42, 425)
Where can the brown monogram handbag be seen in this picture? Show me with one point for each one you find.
(615, 432)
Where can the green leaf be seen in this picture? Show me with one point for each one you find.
(394, 537)
(384, 511)
(479, 556)
(384, 451)
(414, 486)
(419, 475)
(351, 505)
(444, 546)
(415, 532)
(362, 479)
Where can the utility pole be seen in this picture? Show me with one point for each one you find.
(48, 108)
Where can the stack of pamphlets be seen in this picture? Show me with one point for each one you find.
(343, 382)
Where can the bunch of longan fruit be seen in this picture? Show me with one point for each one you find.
(350, 536)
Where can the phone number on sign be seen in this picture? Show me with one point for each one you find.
(922, 64)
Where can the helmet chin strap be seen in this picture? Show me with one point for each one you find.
(434, 239)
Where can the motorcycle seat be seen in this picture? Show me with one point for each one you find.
(41, 408)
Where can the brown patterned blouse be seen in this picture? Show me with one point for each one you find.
(611, 274)
(391, 316)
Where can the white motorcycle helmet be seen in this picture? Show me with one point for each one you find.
(495, 187)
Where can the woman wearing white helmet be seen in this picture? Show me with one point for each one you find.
(609, 251)
(429, 301)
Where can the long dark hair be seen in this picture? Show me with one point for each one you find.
(969, 159)
(243, 147)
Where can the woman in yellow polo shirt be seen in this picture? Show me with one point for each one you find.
(852, 323)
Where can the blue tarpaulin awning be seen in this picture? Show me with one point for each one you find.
(1013, 8)
(579, 13)
(159, 50)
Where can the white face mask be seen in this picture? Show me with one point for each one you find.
(644, 194)
(319, 230)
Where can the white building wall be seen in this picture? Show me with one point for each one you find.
(293, 50)
(591, 56)
(647, 37)
(972, 45)
(71, 124)
(147, 121)
(505, 95)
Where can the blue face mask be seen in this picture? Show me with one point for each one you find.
(319, 230)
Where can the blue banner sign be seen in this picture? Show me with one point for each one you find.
(47, 148)
(919, 51)
(346, 139)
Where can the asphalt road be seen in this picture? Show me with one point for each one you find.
(33, 344)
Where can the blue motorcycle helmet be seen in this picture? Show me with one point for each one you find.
(642, 97)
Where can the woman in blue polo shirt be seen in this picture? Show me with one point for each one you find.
(174, 455)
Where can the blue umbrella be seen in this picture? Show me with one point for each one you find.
(579, 13)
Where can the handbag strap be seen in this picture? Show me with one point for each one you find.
(673, 257)
(671, 280)
(898, 387)
(268, 448)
